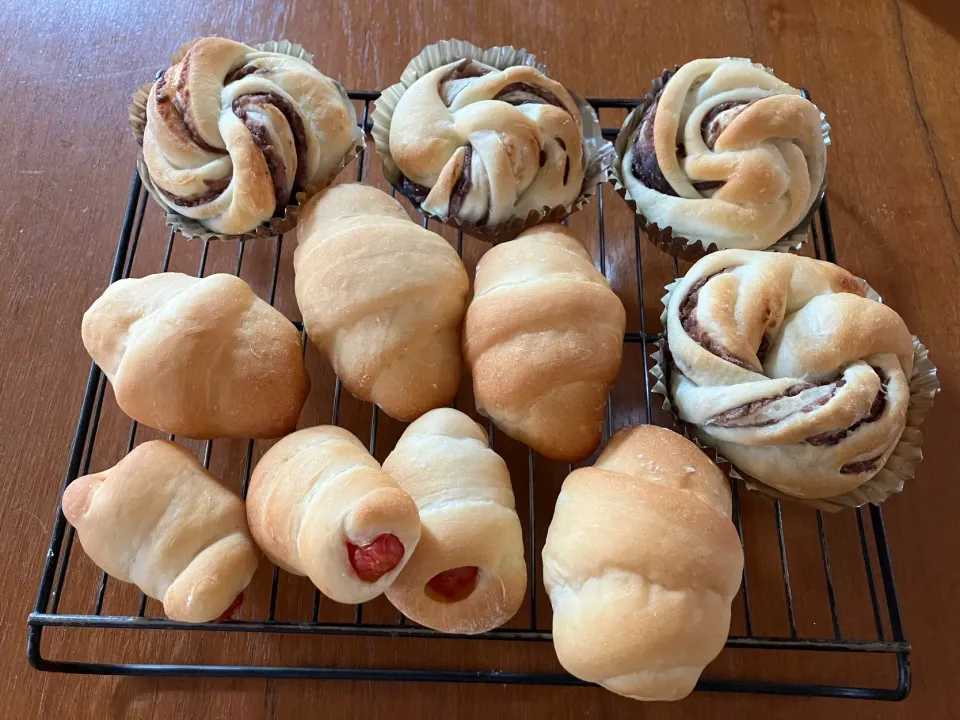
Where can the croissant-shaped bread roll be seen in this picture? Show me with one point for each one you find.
(485, 145)
(319, 505)
(726, 154)
(543, 338)
(784, 365)
(468, 574)
(159, 520)
(198, 357)
(641, 564)
(383, 298)
(233, 132)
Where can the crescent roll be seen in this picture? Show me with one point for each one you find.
(382, 297)
(543, 338)
(159, 520)
(641, 564)
(198, 357)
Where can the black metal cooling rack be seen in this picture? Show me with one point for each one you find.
(872, 556)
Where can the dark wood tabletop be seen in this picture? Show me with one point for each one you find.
(886, 72)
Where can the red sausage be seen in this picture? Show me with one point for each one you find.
(454, 584)
(231, 611)
(371, 562)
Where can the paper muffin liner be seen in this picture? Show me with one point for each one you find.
(678, 246)
(278, 224)
(899, 468)
(600, 155)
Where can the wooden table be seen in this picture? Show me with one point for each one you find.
(887, 73)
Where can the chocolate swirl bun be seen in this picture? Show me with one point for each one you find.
(726, 154)
(787, 367)
(232, 133)
(484, 145)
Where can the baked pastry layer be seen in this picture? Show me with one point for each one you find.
(233, 133)
(485, 145)
(726, 154)
(787, 367)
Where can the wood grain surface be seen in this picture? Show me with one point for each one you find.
(886, 72)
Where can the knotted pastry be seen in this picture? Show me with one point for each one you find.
(319, 505)
(233, 133)
(199, 357)
(468, 574)
(641, 564)
(726, 154)
(382, 297)
(543, 338)
(159, 520)
(484, 145)
(787, 367)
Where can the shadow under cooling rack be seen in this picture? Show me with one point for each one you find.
(846, 585)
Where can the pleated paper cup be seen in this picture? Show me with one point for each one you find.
(600, 155)
(900, 467)
(680, 247)
(278, 224)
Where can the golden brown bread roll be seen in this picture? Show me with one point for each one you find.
(468, 574)
(198, 357)
(319, 505)
(159, 520)
(543, 338)
(382, 297)
(641, 563)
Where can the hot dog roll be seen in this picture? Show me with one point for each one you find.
(320, 505)
(468, 574)
(159, 520)
(641, 564)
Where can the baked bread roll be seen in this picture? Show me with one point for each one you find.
(382, 297)
(159, 520)
(484, 145)
(233, 133)
(198, 357)
(543, 338)
(641, 564)
(787, 367)
(468, 574)
(319, 505)
(726, 154)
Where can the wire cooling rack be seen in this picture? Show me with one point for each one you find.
(812, 617)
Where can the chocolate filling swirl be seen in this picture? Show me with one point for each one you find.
(688, 320)
(179, 104)
(644, 164)
(879, 404)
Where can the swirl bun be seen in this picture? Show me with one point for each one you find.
(726, 154)
(484, 145)
(232, 133)
(787, 367)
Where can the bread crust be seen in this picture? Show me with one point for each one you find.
(159, 520)
(463, 490)
(543, 338)
(198, 357)
(641, 563)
